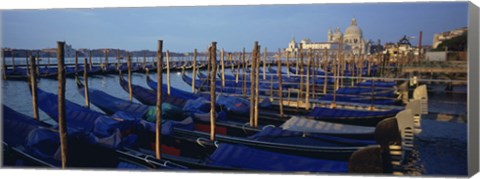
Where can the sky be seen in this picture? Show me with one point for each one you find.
(232, 27)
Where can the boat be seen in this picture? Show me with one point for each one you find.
(337, 115)
(201, 155)
(291, 142)
(362, 99)
(29, 142)
(359, 114)
(129, 134)
(173, 91)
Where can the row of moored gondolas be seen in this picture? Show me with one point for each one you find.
(361, 134)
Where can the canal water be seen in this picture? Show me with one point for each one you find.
(441, 148)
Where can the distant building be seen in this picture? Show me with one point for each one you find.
(69, 51)
(440, 37)
(353, 41)
(307, 44)
(375, 48)
(402, 47)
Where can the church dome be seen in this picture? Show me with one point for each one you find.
(353, 29)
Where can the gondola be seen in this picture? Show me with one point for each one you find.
(129, 134)
(28, 142)
(173, 91)
(50, 72)
(347, 116)
(358, 94)
(222, 155)
(364, 100)
(338, 115)
(231, 87)
(276, 137)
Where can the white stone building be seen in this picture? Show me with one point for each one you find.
(353, 41)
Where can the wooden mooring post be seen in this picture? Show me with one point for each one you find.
(76, 62)
(158, 114)
(106, 59)
(27, 62)
(307, 88)
(48, 60)
(213, 61)
(230, 59)
(118, 59)
(369, 66)
(194, 71)
(343, 68)
(314, 74)
(168, 72)
(13, 59)
(129, 68)
(279, 74)
(244, 75)
(252, 85)
(353, 68)
(37, 63)
(257, 73)
(300, 71)
(265, 64)
(325, 66)
(237, 72)
(373, 96)
(362, 61)
(4, 66)
(288, 64)
(62, 123)
(222, 63)
(85, 81)
(33, 83)
(296, 62)
(144, 64)
(90, 60)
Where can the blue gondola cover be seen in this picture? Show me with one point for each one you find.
(240, 156)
